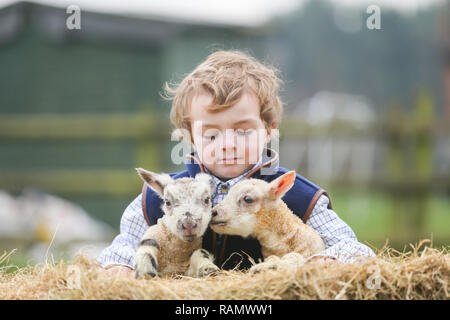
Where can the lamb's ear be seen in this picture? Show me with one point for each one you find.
(155, 181)
(282, 184)
(206, 178)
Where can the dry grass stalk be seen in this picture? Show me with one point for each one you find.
(422, 273)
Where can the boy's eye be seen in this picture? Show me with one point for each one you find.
(211, 138)
(243, 132)
(210, 135)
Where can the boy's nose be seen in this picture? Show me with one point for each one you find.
(229, 141)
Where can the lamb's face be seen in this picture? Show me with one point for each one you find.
(187, 206)
(248, 203)
(236, 214)
(186, 202)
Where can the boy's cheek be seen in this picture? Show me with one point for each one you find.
(248, 150)
(206, 153)
(253, 154)
(205, 150)
(254, 149)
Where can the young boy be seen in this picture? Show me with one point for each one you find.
(228, 108)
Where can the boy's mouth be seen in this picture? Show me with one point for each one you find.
(234, 160)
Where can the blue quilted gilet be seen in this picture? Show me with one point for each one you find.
(301, 199)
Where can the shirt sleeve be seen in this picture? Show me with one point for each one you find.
(132, 228)
(340, 240)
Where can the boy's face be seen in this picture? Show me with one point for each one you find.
(231, 141)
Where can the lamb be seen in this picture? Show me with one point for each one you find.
(254, 208)
(173, 245)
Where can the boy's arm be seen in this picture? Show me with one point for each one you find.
(132, 228)
(340, 240)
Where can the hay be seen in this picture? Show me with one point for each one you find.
(418, 274)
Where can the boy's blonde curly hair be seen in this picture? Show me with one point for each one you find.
(226, 75)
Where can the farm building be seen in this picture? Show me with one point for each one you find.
(80, 109)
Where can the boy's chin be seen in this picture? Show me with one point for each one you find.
(230, 171)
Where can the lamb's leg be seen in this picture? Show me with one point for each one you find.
(269, 263)
(290, 262)
(293, 260)
(202, 264)
(146, 263)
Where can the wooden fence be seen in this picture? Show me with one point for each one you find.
(407, 141)
(147, 131)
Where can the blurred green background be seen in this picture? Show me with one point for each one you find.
(367, 112)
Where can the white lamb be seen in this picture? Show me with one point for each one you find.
(254, 207)
(173, 245)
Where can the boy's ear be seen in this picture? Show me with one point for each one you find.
(273, 125)
(155, 181)
(267, 136)
(181, 134)
(281, 185)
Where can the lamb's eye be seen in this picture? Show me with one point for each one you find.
(207, 200)
(168, 203)
(248, 199)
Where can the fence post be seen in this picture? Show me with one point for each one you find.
(395, 167)
(409, 168)
(423, 159)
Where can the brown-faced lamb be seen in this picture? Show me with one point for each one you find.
(254, 207)
(173, 245)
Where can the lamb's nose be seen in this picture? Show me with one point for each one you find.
(214, 213)
(189, 225)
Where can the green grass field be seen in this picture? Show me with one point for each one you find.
(370, 215)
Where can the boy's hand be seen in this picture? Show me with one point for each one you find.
(117, 270)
